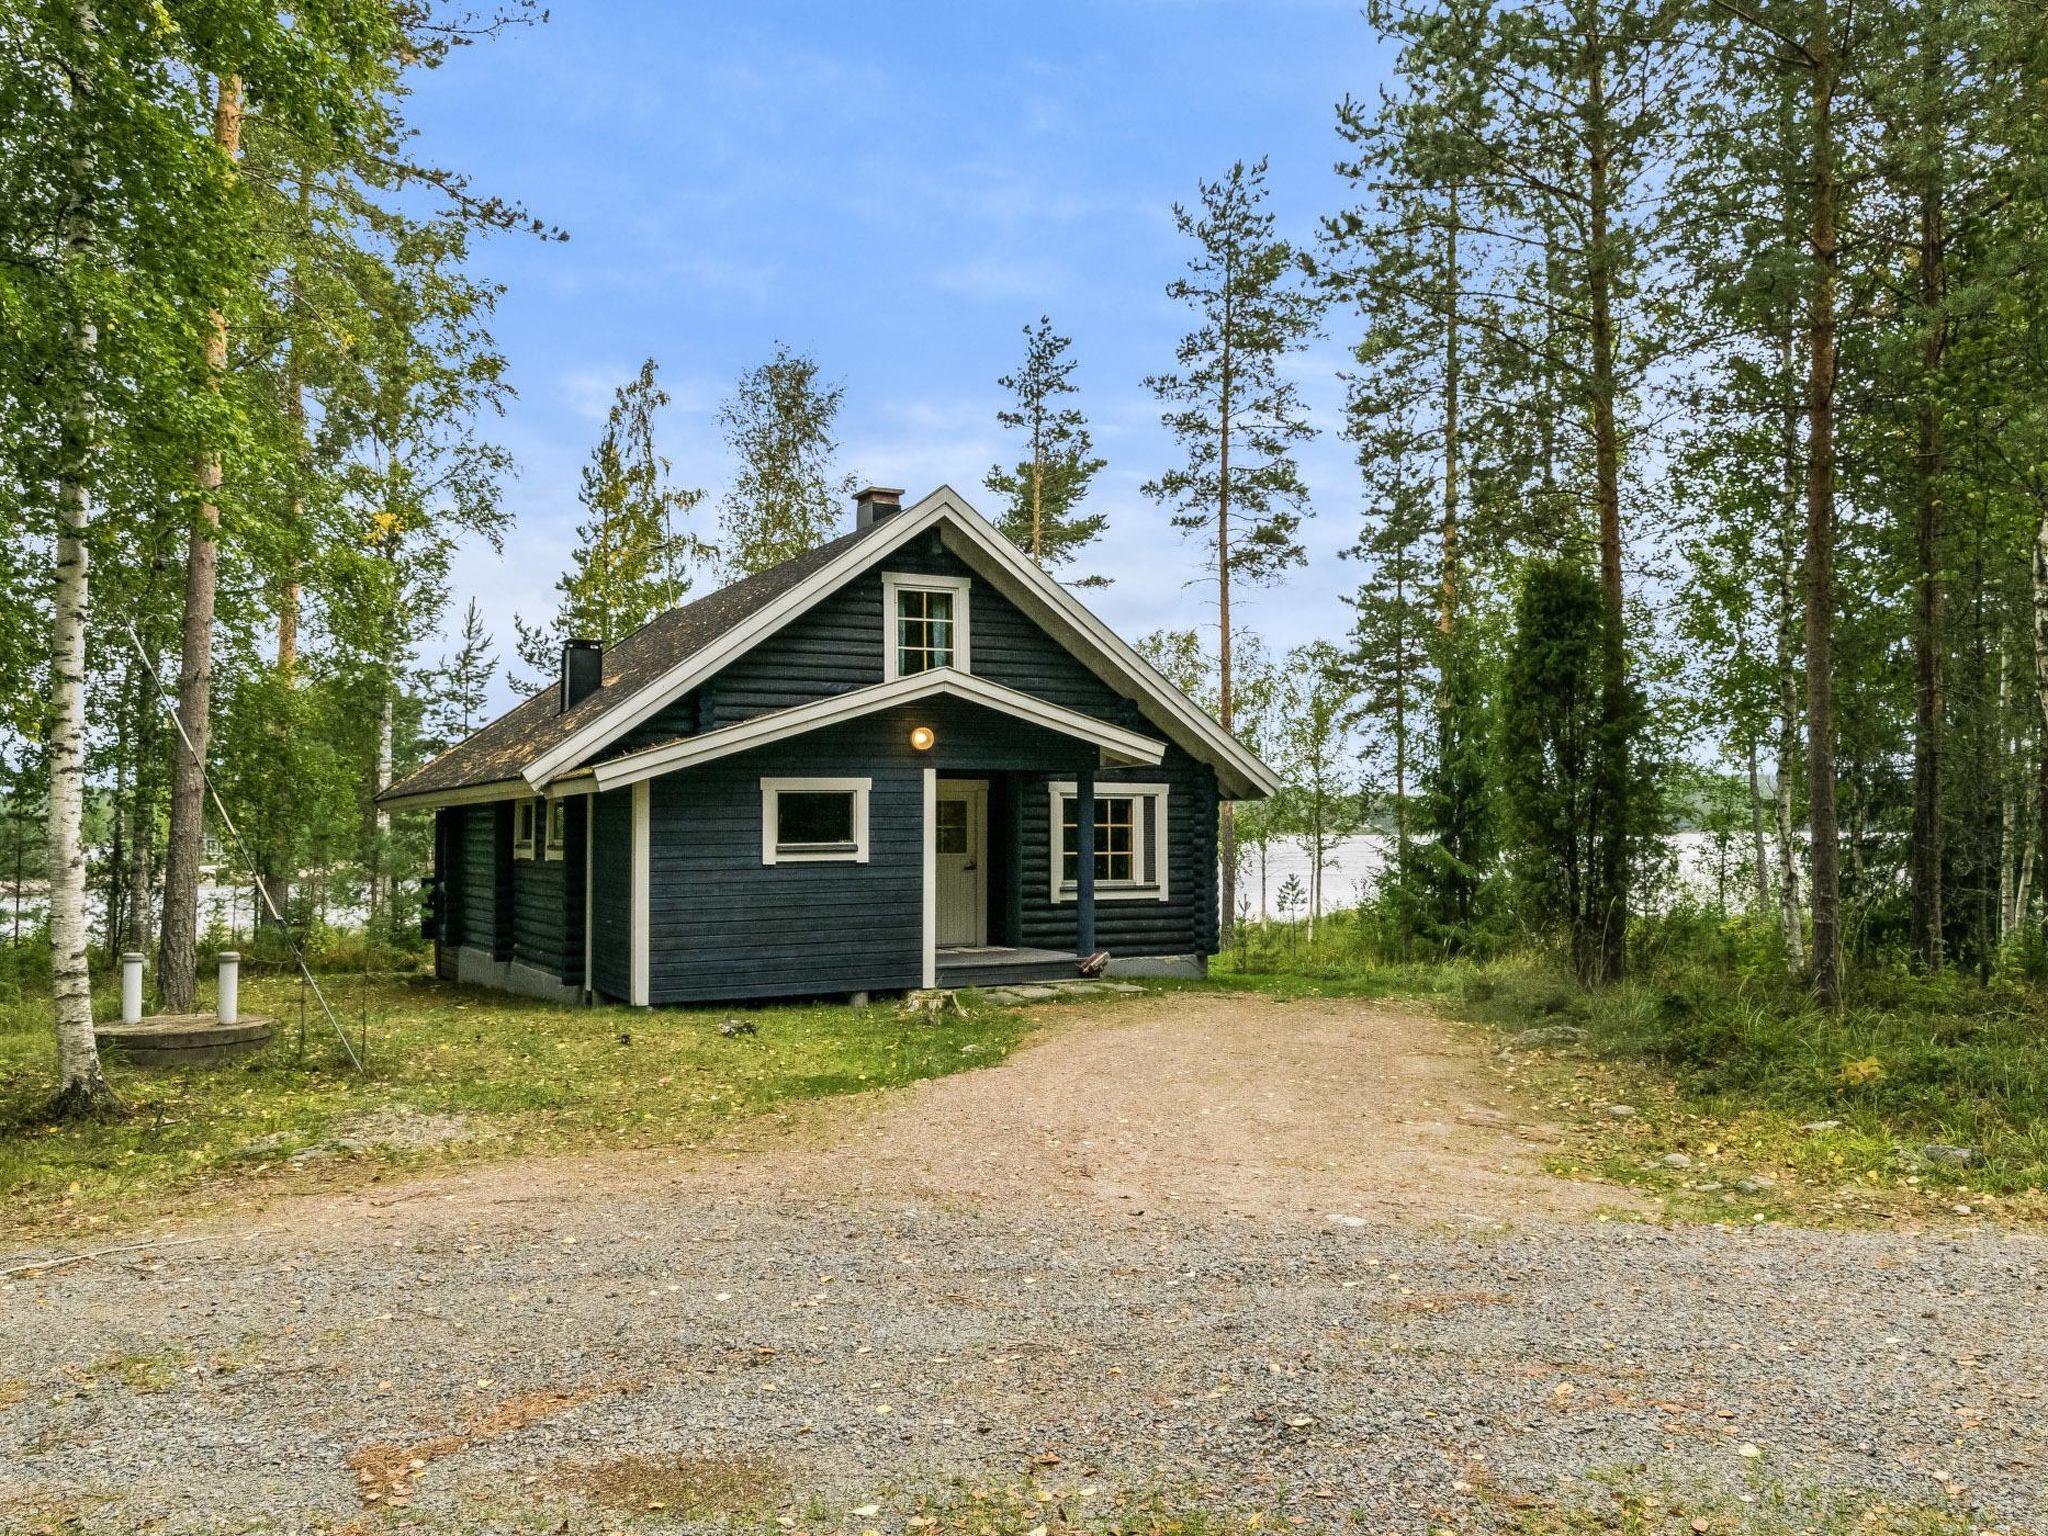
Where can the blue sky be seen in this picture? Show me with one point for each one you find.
(896, 189)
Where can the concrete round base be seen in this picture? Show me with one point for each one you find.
(184, 1039)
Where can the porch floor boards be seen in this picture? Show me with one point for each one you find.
(990, 965)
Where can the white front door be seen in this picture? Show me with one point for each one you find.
(961, 870)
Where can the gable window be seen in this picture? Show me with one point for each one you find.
(814, 821)
(1130, 841)
(556, 837)
(926, 624)
(525, 824)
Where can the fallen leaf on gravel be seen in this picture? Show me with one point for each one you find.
(1749, 1449)
(383, 1466)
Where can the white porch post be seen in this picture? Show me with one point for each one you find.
(930, 943)
(642, 860)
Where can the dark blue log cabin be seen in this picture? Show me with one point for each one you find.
(856, 772)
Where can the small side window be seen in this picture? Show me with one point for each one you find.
(524, 825)
(557, 836)
(814, 821)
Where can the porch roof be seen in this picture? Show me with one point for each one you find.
(1119, 747)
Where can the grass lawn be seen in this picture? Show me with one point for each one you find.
(1736, 1077)
(454, 1074)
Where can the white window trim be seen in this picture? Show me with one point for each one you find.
(894, 582)
(771, 791)
(551, 847)
(532, 812)
(1061, 791)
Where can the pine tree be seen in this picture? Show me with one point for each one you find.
(176, 956)
(786, 498)
(1237, 417)
(1043, 493)
(1404, 595)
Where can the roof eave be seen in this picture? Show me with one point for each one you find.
(1118, 746)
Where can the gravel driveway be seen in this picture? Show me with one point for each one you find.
(1292, 1255)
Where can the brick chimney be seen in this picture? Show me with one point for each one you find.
(875, 503)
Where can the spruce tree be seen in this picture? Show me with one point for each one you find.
(463, 682)
(1552, 718)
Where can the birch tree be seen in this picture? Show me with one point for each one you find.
(787, 496)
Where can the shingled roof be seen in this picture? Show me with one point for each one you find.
(498, 752)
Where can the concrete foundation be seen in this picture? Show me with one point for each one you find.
(1179, 967)
(477, 968)
(184, 1039)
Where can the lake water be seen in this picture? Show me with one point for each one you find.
(1356, 864)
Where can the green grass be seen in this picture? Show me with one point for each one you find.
(454, 1074)
(1729, 1064)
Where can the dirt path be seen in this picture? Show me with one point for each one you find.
(1298, 1253)
(1216, 1103)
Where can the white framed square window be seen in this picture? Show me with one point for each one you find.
(556, 836)
(814, 821)
(924, 624)
(525, 828)
(1131, 841)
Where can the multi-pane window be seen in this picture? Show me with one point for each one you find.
(927, 623)
(1131, 842)
(1116, 840)
(950, 833)
(924, 629)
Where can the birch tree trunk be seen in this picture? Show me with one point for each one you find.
(1612, 957)
(1788, 674)
(2041, 668)
(1823, 242)
(2008, 807)
(1759, 849)
(176, 978)
(81, 1087)
(380, 819)
(1928, 719)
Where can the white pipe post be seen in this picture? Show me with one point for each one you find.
(131, 987)
(228, 1007)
